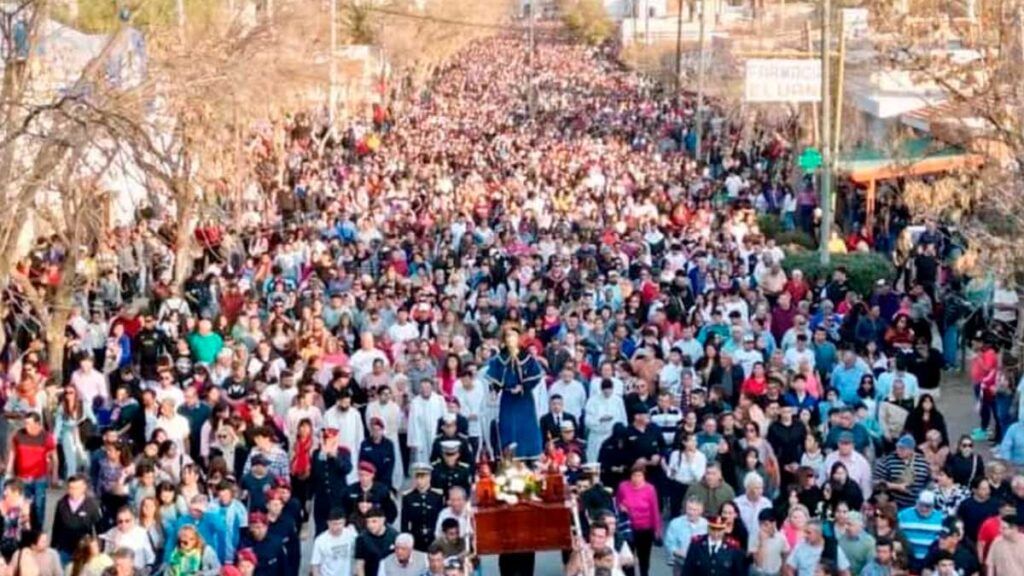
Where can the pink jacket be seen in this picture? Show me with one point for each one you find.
(641, 505)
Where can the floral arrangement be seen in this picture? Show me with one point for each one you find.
(517, 483)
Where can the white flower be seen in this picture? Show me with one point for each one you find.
(517, 485)
(500, 480)
(512, 500)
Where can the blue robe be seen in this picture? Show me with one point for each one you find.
(517, 413)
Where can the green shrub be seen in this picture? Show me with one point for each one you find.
(587, 21)
(862, 268)
(770, 225)
(795, 238)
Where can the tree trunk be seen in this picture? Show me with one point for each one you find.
(184, 234)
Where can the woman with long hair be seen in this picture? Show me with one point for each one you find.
(191, 556)
(840, 488)
(686, 465)
(729, 512)
(36, 557)
(191, 482)
(924, 417)
(88, 559)
(115, 471)
(302, 464)
(153, 524)
(73, 426)
(172, 505)
(449, 374)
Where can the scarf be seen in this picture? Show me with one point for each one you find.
(302, 460)
(185, 563)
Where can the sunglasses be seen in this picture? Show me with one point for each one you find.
(122, 521)
(967, 445)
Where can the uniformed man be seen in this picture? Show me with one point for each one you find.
(331, 465)
(421, 506)
(713, 554)
(453, 406)
(568, 442)
(450, 470)
(595, 497)
(284, 526)
(379, 450)
(273, 558)
(645, 442)
(450, 431)
(367, 493)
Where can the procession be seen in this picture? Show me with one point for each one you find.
(522, 320)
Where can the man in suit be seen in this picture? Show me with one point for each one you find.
(551, 423)
(713, 554)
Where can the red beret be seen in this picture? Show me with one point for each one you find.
(376, 421)
(247, 555)
(365, 466)
(257, 518)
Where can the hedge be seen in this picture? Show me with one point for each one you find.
(770, 225)
(795, 238)
(863, 269)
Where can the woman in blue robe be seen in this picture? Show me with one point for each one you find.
(514, 373)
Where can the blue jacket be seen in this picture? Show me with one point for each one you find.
(1012, 446)
(210, 526)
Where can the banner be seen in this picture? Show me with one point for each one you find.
(779, 80)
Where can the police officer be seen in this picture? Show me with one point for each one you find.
(379, 451)
(284, 527)
(366, 493)
(713, 554)
(450, 471)
(595, 497)
(449, 432)
(273, 559)
(331, 465)
(644, 441)
(567, 441)
(421, 506)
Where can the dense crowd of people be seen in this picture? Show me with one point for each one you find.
(323, 373)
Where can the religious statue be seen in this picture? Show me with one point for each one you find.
(513, 374)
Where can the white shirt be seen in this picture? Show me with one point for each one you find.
(471, 405)
(599, 407)
(280, 398)
(794, 357)
(177, 430)
(171, 392)
(135, 539)
(465, 526)
(403, 332)
(574, 396)
(423, 416)
(618, 388)
(335, 555)
(351, 433)
(362, 362)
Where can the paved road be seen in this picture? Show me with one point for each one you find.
(956, 403)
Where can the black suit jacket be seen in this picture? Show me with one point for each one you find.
(727, 561)
(551, 430)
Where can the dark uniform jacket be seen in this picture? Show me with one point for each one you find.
(328, 479)
(382, 456)
(727, 560)
(273, 559)
(377, 493)
(551, 429)
(465, 449)
(444, 477)
(287, 531)
(419, 515)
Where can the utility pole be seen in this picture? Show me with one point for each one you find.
(826, 132)
(679, 47)
(531, 97)
(332, 94)
(698, 117)
(180, 9)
